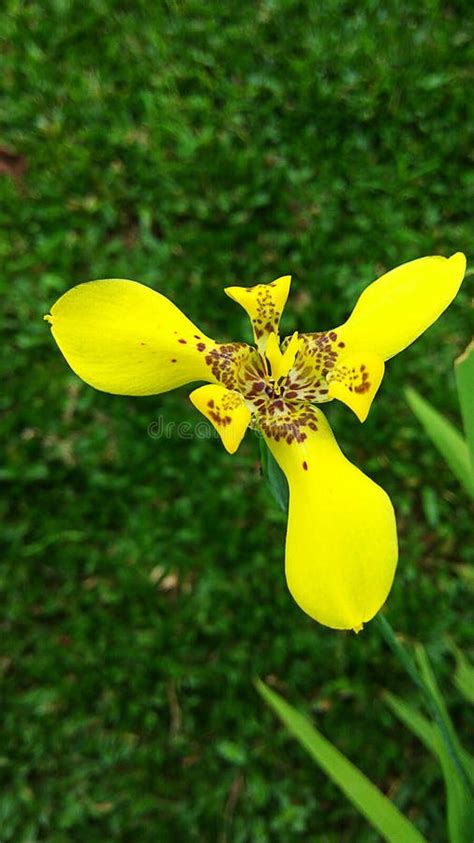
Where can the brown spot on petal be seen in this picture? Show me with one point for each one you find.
(226, 361)
(287, 423)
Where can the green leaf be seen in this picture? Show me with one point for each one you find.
(460, 819)
(433, 688)
(464, 676)
(439, 736)
(274, 476)
(416, 722)
(456, 765)
(464, 370)
(367, 798)
(446, 437)
(426, 731)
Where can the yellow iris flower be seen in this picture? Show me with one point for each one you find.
(341, 546)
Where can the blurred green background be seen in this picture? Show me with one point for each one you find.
(191, 145)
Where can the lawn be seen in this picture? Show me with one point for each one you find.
(191, 145)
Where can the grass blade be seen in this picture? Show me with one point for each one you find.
(444, 721)
(424, 679)
(416, 722)
(464, 676)
(372, 804)
(446, 437)
(460, 816)
(464, 370)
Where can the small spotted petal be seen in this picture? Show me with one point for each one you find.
(264, 304)
(355, 380)
(226, 410)
(341, 544)
(317, 355)
(228, 362)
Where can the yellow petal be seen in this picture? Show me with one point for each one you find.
(281, 362)
(341, 545)
(125, 338)
(226, 410)
(393, 311)
(355, 380)
(264, 304)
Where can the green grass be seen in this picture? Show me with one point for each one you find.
(191, 145)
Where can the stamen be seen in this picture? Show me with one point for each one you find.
(281, 363)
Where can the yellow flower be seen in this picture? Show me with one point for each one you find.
(341, 546)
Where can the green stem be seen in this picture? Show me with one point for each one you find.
(429, 698)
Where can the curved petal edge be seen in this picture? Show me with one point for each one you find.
(341, 545)
(125, 338)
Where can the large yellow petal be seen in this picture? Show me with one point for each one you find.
(341, 545)
(393, 311)
(125, 338)
(264, 304)
(226, 410)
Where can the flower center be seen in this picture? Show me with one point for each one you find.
(287, 376)
(279, 382)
